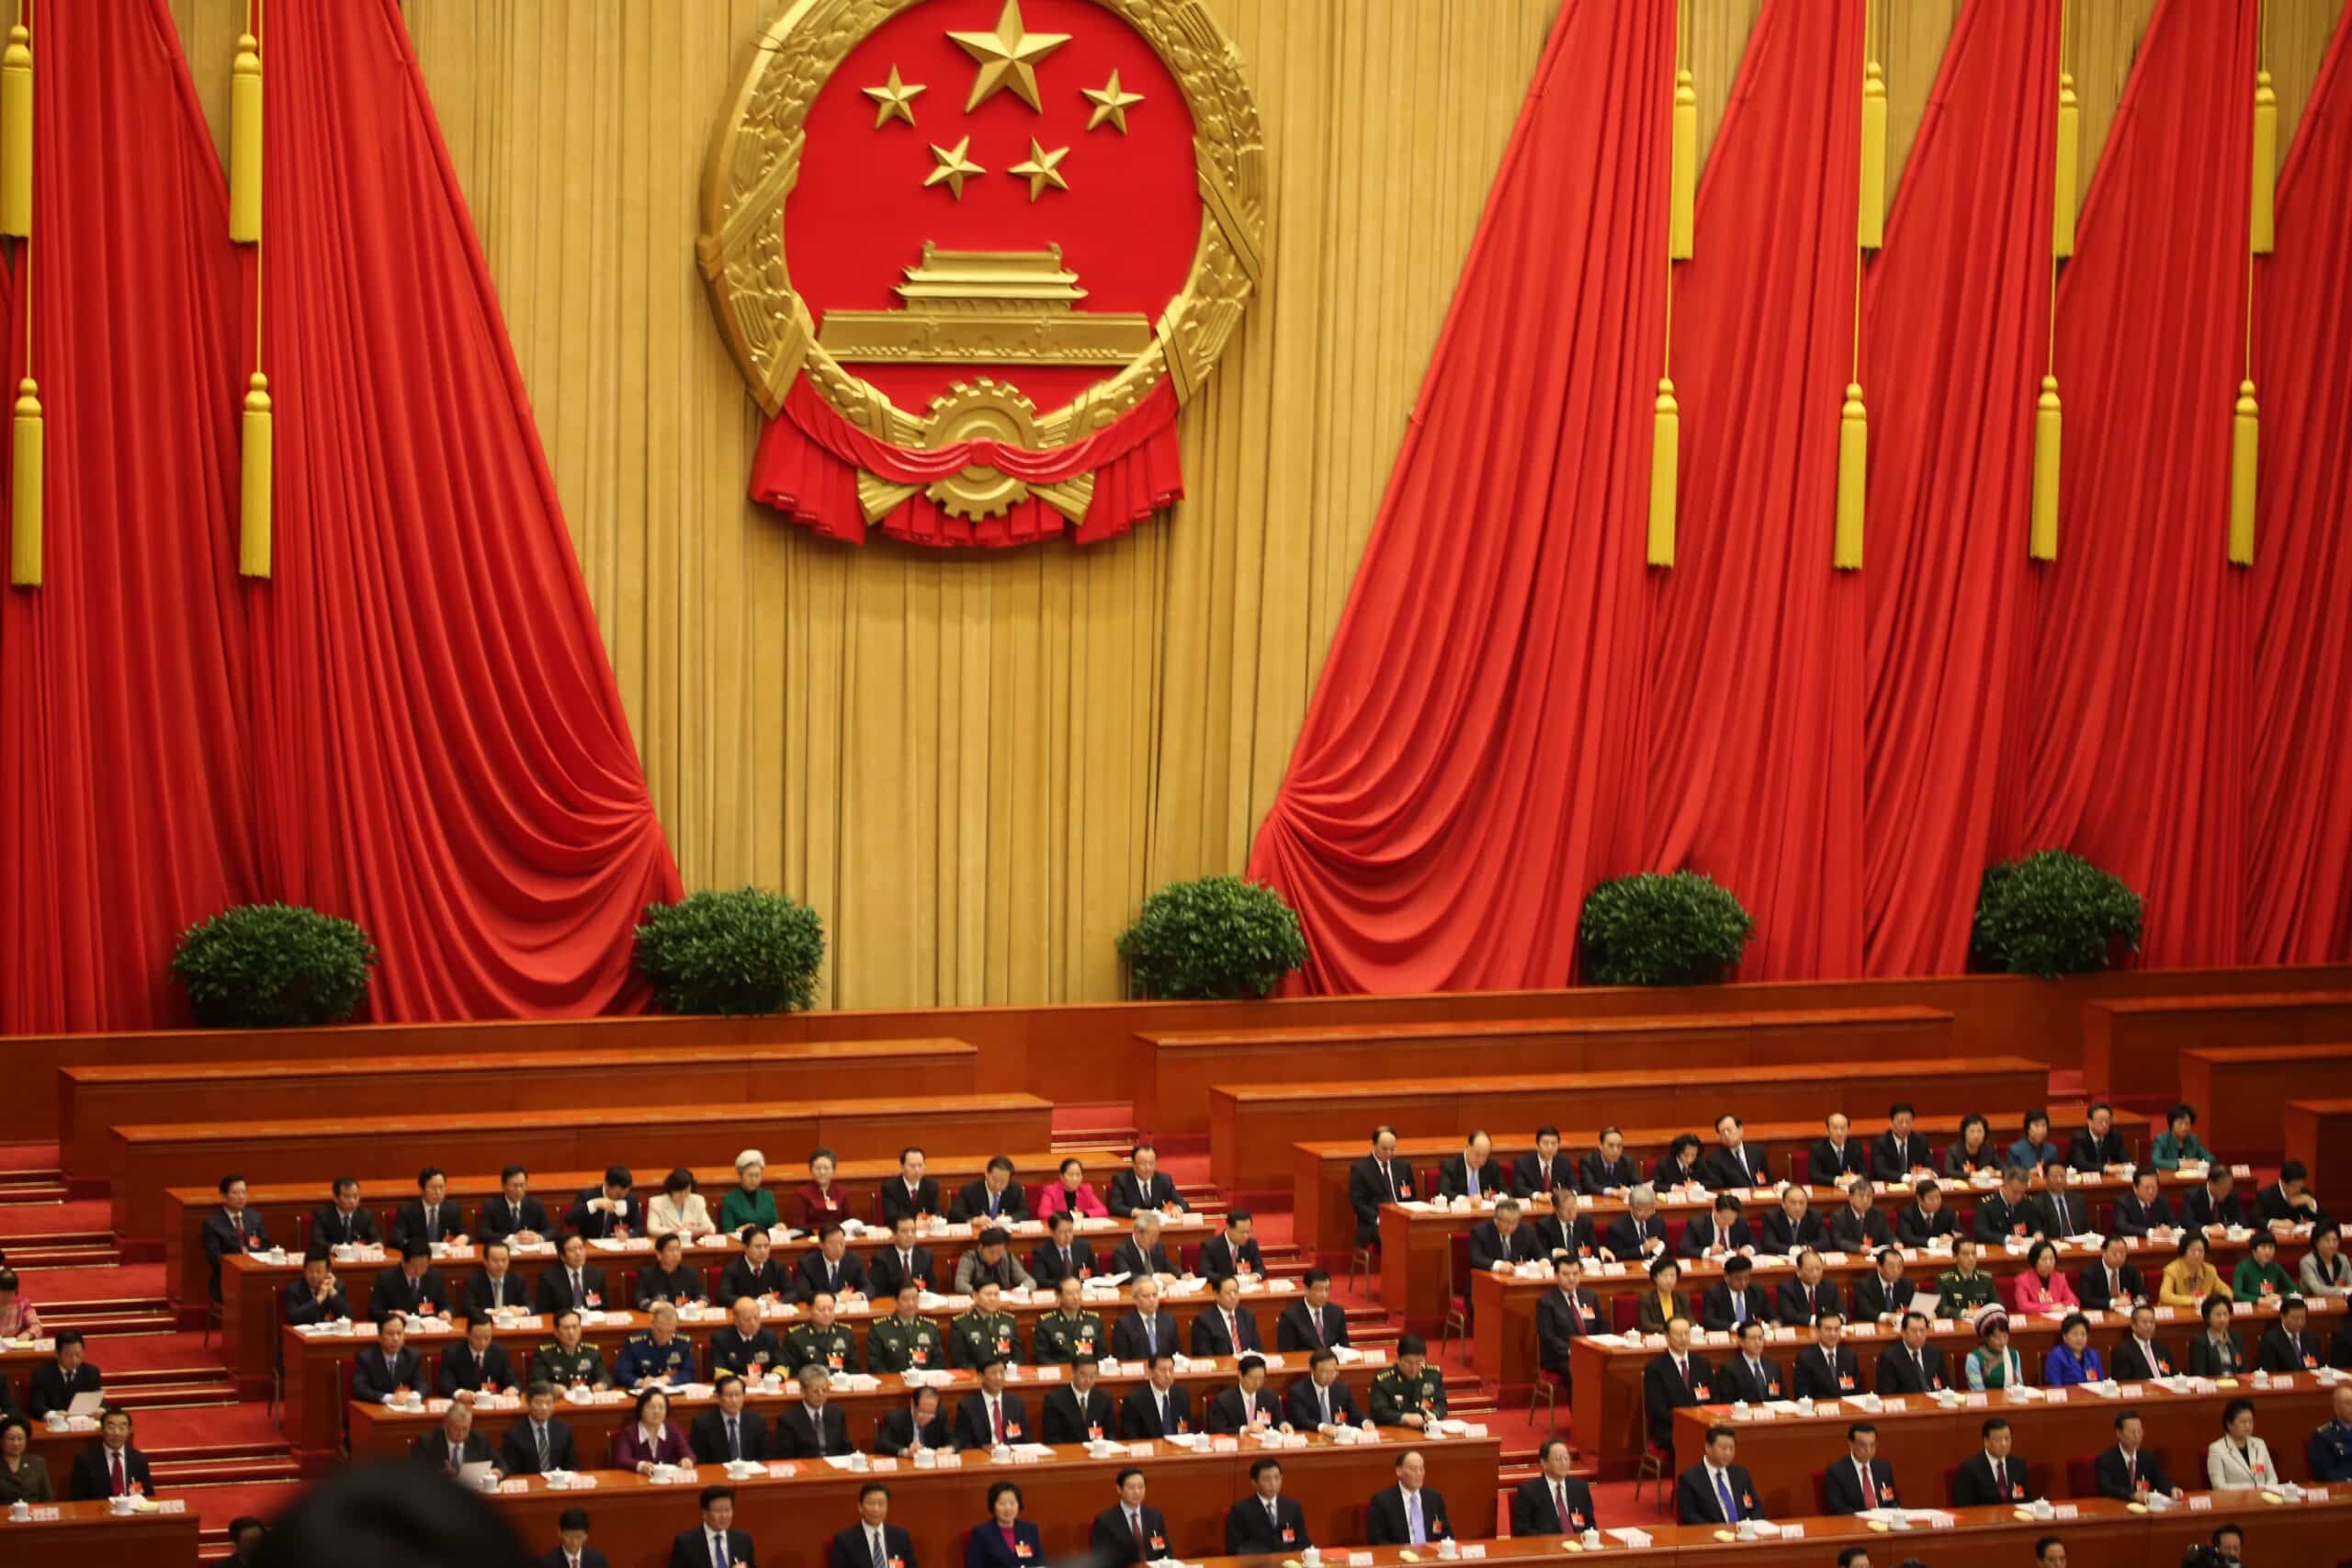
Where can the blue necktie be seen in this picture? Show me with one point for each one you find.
(1413, 1515)
(1723, 1491)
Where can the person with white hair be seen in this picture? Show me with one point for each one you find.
(747, 1203)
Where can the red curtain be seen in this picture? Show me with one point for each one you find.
(126, 806)
(2299, 792)
(1465, 768)
(440, 747)
(1956, 331)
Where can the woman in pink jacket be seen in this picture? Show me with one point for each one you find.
(1072, 1192)
(2042, 1289)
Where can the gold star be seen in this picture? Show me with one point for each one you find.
(1108, 104)
(1006, 58)
(894, 100)
(1042, 169)
(953, 167)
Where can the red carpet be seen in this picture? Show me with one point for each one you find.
(28, 1156)
(121, 1282)
(248, 1425)
(152, 1352)
(55, 1219)
(263, 1500)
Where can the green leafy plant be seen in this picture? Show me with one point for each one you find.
(1220, 937)
(740, 951)
(272, 966)
(2053, 913)
(1662, 929)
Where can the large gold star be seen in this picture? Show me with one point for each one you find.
(1007, 58)
(953, 168)
(1108, 104)
(894, 100)
(1042, 169)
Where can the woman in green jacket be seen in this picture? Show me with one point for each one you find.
(2178, 1141)
(750, 1203)
(2259, 1277)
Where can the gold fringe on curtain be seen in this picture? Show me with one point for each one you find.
(244, 134)
(257, 453)
(17, 126)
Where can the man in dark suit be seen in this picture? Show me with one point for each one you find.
(1861, 1480)
(2214, 1204)
(1824, 1369)
(317, 1296)
(1722, 1230)
(1245, 1406)
(1544, 1170)
(910, 1195)
(2129, 1471)
(1913, 1366)
(603, 1212)
(1319, 1399)
(341, 1221)
(1715, 1491)
(2098, 1145)
(1313, 1322)
(989, 1414)
(1554, 1502)
(572, 1285)
(1131, 1530)
(478, 1366)
(2144, 1208)
(1732, 1163)
(1378, 1177)
(816, 1428)
(515, 1215)
(2289, 1345)
(1794, 1227)
(1899, 1154)
(2112, 1284)
(873, 1539)
(497, 1285)
(389, 1367)
(1673, 1380)
(995, 1199)
(110, 1467)
(1234, 1252)
(1144, 1186)
(1837, 1158)
(1858, 1225)
(2008, 1213)
(1411, 1512)
(432, 1216)
(669, 1278)
(1147, 1331)
(1802, 1300)
(1081, 1410)
(715, 1543)
(1472, 1173)
(1750, 1376)
(829, 1270)
(758, 1273)
(1608, 1169)
(2287, 1200)
(232, 1228)
(454, 1444)
(2062, 1213)
(538, 1442)
(1733, 1300)
(1639, 1234)
(1925, 1217)
(412, 1286)
(572, 1549)
(916, 1423)
(1563, 1314)
(1142, 1253)
(1265, 1523)
(2139, 1355)
(731, 1432)
(1883, 1295)
(1564, 1233)
(1225, 1328)
(1161, 1408)
(54, 1384)
(1993, 1475)
(1503, 1241)
(1062, 1255)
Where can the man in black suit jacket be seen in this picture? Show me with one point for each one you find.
(1925, 1217)
(1884, 1293)
(1802, 1300)
(1265, 1523)
(1388, 1517)
(1554, 1502)
(1246, 1406)
(2098, 1145)
(2144, 1208)
(1794, 1227)
(1858, 1225)
(555, 1291)
(829, 1270)
(910, 1193)
(1913, 1366)
(2129, 1471)
(854, 1548)
(1159, 1408)
(1234, 1252)
(232, 1228)
(1750, 1376)
(1319, 1399)
(514, 1214)
(389, 1366)
(1722, 1230)
(1716, 1491)
(1142, 1253)
(454, 1444)
(1563, 1314)
(1543, 1171)
(977, 1416)
(2112, 1284)
(995, 1198)
(2213, 1203)
(2139, 1355)
(497, 1285)
(518, 1448)
(317, 1296)
(341, 1221)
(1313, 1322)
(1473, 1173)
(758, 1273)
(1673, 1380)
(1898, 1153)
(432, 1215)
(1378, 1177)
(1061, 1254)
(412, 1286)
(917, 1421)
(2289, 1345)
(1564, 1232)
(110, 1467)
(816, 1428)
(713, 1444)
(2062, 1212)
(1502, 1240)
(572, 1549)
(1824, 1369)
(603, 1212)
(1147, 1331)
(54, 1384)
(1081, 1410)
(1130, 1530)
(1638, 1233)
(1225, 1328)
(1834, 1158)
(478, 1366)
(1732, 1163)
(700, 1548)
(1993, 1475)
(1861, 1480)
(1144, 1186)
(1608, 1168)
(1732, 1299)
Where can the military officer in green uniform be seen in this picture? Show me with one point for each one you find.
(821, 1341)
(661, 1355)
(567, 1360)
(1068, 1332)
(905, 1340)
(1962, 1288)
(1410, 1393)
(984, 1332)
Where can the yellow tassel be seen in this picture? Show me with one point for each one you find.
(2266, 160)
(17, 133)
(2042, 542)
(1853, 467)
(1666, 455)
(1682, 193)
(253, 519)
(1873, 224)
(244, 144)
(2245, 440)
(24, 500)
(2070, 145)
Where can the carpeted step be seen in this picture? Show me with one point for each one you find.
(37, 1219)
(188, 1473)
(119, 1284)
(33, 1187)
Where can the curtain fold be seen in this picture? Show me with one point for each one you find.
(441, 750)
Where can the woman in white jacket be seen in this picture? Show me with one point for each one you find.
(2238, 1458)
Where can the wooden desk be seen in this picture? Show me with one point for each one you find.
(1253, 1126)
(154, 1155)
(2319, 1132)
(791, 1519)
(1171, 1093)
(86, 1536)
(1322, 1219)
(2133, 1041)
(2238, 1091)
(93, 1099)
(1922, 1441)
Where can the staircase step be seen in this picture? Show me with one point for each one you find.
(23, 1256)
(102, 1322)
(184, 1473)
(33, 1188)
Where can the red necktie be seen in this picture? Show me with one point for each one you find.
(115, 1458)
(2001, 1478)
(996, 1419)
(1869, 1490)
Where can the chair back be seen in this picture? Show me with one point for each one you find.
(1800, 1167)
(1457, 1265)
(2081, 1477)
(1820, 1491)
(1622, 1310)
(1952, 1484)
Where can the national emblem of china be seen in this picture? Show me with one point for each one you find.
(973, 255)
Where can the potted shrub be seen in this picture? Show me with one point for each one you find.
(1216, 939)
(1673, 929)
(2053, 913)
(272, 966)
(740, 951)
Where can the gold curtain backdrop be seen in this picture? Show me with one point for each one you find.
(976, 765)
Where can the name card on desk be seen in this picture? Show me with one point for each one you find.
(179, 1506)
(2201, 1505)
